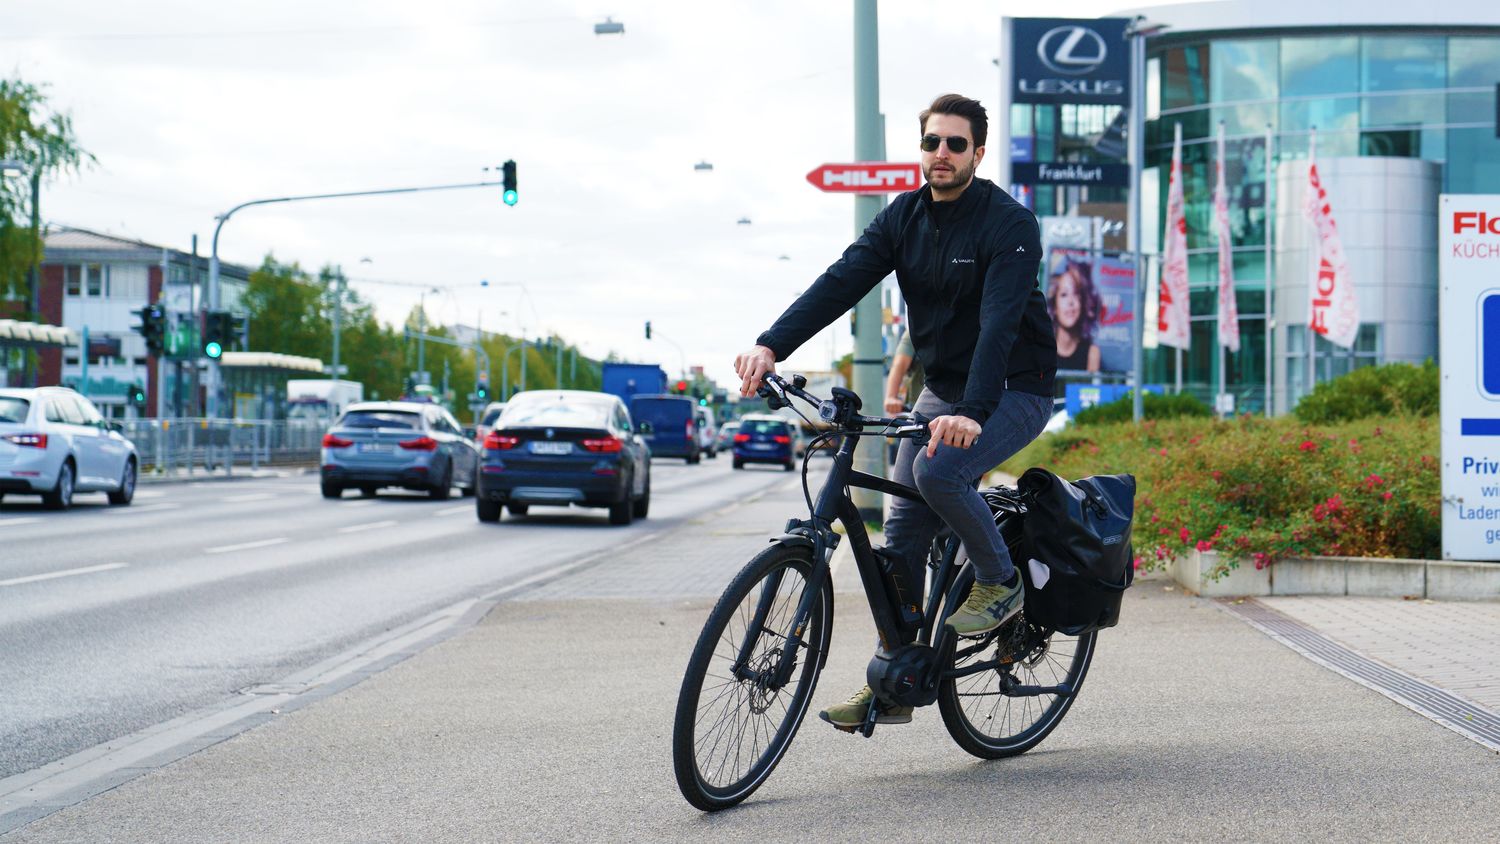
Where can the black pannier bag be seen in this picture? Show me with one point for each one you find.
(1077, 556)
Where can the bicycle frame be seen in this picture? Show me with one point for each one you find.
(894, 624)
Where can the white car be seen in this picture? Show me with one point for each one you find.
(53, 443)
(708, 431)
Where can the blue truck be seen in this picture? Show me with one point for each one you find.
(628, 380)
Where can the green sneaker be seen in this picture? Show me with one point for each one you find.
(988, 607)
(851, 713)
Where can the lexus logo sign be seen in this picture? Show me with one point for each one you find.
(1057, 60)
(1072, 50)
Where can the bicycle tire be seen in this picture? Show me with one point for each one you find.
(984, 721)
(705, 744)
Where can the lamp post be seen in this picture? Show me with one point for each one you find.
(33, 292)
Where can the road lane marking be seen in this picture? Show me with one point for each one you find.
(452, 510)
(144, 494)
(16, 581)
(245, 546)
(369, 526)
(20, 520)
(149, 508)
(254, 496)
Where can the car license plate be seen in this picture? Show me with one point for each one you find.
(375, 448)
(761, 446)
(551, 448)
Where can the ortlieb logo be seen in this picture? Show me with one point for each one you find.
(1114, 540)
(1478, 222)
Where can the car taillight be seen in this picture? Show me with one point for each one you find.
(742, 438)
(30, 440)
(605, 444)
(331, 441)
(420, 444)
(781, 439)
(688, 429)
(496, 441)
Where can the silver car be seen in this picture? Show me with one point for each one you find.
(53, 443)
(414, 445)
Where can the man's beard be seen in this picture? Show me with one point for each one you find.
(960, 177)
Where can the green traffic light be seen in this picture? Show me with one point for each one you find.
(510, 197)
(213, 350)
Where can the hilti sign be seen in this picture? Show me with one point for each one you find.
(1477, 222)
(867, 177)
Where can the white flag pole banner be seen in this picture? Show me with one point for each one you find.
(1333, 310)
(1229, 315)
(1469, 345)
(1172, 302)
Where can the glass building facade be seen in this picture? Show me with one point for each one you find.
(1409, 92)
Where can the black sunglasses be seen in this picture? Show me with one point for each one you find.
(956, 143)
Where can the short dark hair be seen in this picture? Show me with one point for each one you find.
(958, 104)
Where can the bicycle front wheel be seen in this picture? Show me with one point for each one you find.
(734, 720)
(992, 714)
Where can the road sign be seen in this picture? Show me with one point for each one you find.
(867, 177)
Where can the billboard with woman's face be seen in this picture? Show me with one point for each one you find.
(1091, 300)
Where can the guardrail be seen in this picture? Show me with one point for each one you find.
(190, 445)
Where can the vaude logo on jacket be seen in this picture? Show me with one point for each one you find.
(963, 260)
(1073, 50)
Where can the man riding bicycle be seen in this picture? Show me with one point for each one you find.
(965, 254)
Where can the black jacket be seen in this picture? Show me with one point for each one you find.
(977, 317)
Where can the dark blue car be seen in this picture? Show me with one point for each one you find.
(674, 428)
(764, 439)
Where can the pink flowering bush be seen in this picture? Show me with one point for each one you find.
(1257, 490)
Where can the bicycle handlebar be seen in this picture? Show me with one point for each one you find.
(842, 410)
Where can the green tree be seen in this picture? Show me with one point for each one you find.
(43, 140)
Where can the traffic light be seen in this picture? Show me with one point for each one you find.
(508, 182)
(682, 388)
(153, 327)
(482, 388)
(703, 402)
(218, 330)
(137, 395)
(648, 329)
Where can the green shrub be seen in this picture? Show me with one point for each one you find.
(1258, 489)
(1153, 406)
(1395, 388)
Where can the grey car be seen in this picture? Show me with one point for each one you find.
(412, 445)
(54, 442)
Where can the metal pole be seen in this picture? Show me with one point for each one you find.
(557, 347)
(869, 141)
(32, 279)
(338, 315)
(422, 335)
(1270, 275)
(523, 359)
(1137, 155)
(1002, 113)
(505, 374)
(1219, 151)
(83, 374)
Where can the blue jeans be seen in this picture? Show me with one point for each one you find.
(949, 482)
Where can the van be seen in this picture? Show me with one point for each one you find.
(674, 426)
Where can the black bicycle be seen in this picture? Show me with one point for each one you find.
(753, 670)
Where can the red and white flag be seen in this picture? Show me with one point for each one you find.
(1229, 315)
(1172, 301)
(1332, 305)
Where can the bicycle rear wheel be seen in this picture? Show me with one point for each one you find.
(982, 712)
(733, 724)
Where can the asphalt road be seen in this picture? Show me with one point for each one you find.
(113, 619)
(551, 719)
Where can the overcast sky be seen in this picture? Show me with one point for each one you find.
(192, 108)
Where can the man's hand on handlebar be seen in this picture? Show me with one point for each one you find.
(894, 404)
(752, 367)
(959, 431)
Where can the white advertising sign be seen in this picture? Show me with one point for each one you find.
(1469, 328)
